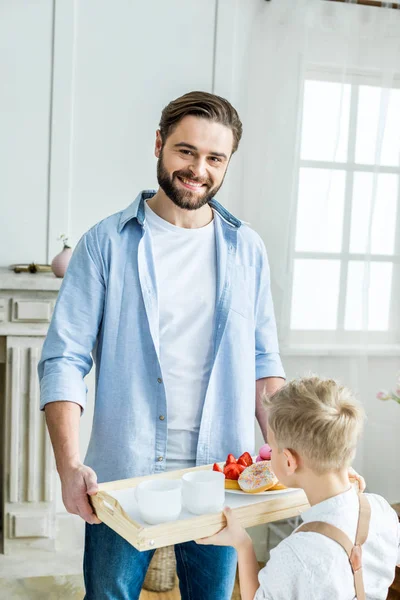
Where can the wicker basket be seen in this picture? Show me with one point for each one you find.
(161, 573)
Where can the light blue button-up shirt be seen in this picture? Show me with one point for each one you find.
(107, 308)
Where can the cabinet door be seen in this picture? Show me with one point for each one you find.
(29, 465)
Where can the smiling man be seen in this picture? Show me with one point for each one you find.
(172, 299)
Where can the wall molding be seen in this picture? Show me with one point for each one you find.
(62, 123)
(226, 13)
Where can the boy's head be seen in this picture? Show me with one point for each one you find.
(313, 425)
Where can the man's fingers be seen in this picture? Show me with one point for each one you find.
(90, 478)
(354, 476)
(91, 519)
(361, 483)
(85, 511)
(96, 520)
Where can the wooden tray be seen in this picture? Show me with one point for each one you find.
(250, 509)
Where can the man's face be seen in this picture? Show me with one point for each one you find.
(193, 160)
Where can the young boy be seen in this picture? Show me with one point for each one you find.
(313, 427)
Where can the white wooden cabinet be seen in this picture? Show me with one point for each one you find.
(27, 480)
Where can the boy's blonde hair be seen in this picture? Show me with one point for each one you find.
(317, 418)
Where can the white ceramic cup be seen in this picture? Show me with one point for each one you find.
(159, 501)
(203, 492)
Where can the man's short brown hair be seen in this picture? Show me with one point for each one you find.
(205, 106)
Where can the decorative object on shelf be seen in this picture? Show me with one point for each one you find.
(391, 395)
(60, 262)
(32, 268)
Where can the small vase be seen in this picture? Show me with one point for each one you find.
(60, 262)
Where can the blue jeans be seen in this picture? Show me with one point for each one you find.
(115, 570)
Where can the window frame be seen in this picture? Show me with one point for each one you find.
(339, 335)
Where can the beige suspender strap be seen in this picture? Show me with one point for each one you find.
(363, 520)
(353, 551)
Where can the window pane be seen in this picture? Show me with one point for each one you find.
(376, 235)
(378, 112)
(320, 210)
(325, 121)
(368, 296)
(315, 294)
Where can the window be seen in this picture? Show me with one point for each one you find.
(347, 232)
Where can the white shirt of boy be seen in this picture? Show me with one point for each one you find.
(310, 566)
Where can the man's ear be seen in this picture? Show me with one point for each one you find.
(159, 144)
(292, 462)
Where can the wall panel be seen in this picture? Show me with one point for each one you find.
(26, 30)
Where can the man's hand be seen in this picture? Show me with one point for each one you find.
(77, 483)
(355, 477)
(232, 535)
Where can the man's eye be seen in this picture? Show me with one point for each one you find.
(187, 152)
(215, 159)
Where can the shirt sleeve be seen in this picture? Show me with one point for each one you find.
(268, 361)
(66, 357)
(398, 549)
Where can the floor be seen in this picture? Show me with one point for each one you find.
(67, 587)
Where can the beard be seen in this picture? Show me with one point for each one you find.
(185, 199)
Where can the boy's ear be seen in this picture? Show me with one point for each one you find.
(159, 144)
(291, 461)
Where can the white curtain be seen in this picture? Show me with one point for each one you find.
(319, 180)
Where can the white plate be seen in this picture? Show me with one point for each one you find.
(267, 493)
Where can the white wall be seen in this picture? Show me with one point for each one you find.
(25, 67)
(68, 164)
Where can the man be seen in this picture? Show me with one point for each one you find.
(172, 297)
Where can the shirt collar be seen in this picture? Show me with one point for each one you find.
(136, 211)
(329, 506)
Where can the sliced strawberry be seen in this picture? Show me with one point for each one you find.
(216, 467)
(245, 459)
(230, 459)
(226, 467)
(233, 470)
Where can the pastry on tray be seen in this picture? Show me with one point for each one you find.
(248, 476)
(257, 478)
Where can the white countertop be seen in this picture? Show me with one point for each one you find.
(28, 281)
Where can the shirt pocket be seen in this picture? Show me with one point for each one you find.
(243, 292)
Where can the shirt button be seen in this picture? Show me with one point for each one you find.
(159, 379)
(160, 459)
(161, 417)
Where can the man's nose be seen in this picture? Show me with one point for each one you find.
(199, 168)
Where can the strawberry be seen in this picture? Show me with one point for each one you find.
(230, 459)
(245, 460)
(216, 467)
(233, 470)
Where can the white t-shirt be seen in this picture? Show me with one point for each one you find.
(185, 263)
(310, 566)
